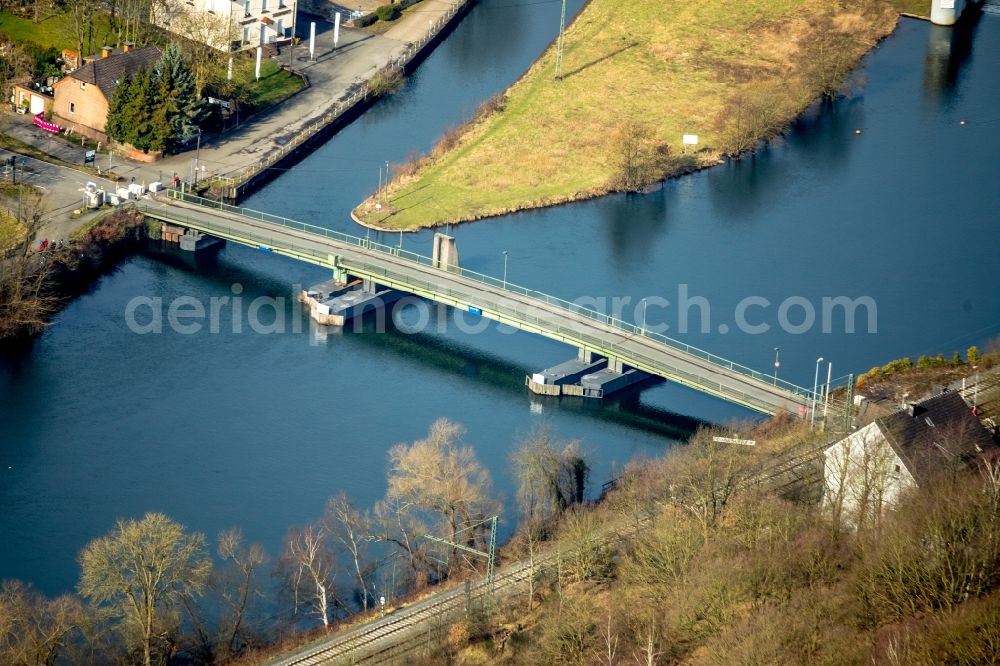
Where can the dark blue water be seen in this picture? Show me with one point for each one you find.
(256, 431)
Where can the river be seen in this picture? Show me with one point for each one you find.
(256, 431)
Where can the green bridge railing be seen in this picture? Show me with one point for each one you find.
(496, 283)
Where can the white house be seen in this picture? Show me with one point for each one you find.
(868, 470)
(227, 25)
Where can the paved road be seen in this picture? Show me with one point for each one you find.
(333, 75)
(532, 313)
(61, 193)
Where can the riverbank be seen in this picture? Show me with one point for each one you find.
(35, 285)
(635, 78)
(342, 86)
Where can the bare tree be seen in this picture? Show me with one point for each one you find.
(208, 38)
(351, 529)
(638, 158)
(238, 587)
(551, 476)
(705, 475)
(27, 297)
(751, 117)
(442, 480)
(81, 14)
(33, 628)
(310, 568)
(140, 572)
(609, 654)
(648, 652)
(395, 523)
(861, 476)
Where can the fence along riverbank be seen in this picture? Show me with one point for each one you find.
(244, 182)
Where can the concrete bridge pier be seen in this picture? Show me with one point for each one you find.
(590, 375)
(344, 297)
(946, 12)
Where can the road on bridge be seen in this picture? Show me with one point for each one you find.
(522, 308)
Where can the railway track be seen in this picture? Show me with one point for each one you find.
(419, 624)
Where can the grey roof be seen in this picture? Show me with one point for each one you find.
(937, 433)
(105, 73)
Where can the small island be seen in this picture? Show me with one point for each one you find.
(635, 77)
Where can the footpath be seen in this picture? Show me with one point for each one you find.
(335, 76)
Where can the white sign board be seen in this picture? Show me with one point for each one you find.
(690, 139)
(734, 440)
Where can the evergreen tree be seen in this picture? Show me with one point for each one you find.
(176, 76)
(138, 112)
(117, 125)
(157, 109)
(162, 129)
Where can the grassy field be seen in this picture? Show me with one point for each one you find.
(636, 76)
(915, 7)
(55, 29)
(11, 231)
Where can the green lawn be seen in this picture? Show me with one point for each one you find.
(55, 29)
(274, 86)
(721, 70)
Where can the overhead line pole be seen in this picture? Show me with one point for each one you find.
(559, 46)
(490, 554)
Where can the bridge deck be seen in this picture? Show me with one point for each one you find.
(516, 306)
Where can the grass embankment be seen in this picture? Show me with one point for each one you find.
(636, 76)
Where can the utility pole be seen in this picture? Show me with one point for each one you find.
(490, 554)
(559, 45)
(197, 159)
(826, 393)
(812, 415)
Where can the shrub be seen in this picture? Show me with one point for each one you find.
(364, 21)
(387, 12)
(973, 355)
(385, 82)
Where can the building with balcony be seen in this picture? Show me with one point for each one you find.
(226, 25)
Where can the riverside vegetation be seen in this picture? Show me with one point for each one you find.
(35, 285)
(636, 75)
(712, 567)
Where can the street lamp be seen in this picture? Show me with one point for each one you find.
(197, 159)
(505, 269)
(777, 364)
(642, 326)
(812, 417)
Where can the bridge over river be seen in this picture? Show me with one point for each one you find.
(594, 333)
